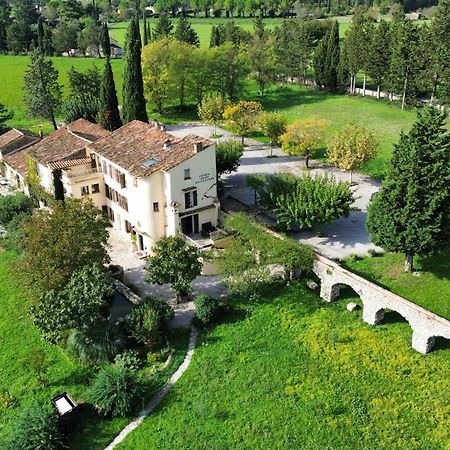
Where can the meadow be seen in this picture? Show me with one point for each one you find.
(295, 101)
(428, 287)
(293, 372)
(19, 380)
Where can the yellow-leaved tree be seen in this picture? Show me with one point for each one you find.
(304, 137)
(352, 147)
(242, 117)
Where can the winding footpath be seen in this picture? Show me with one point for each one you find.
(159, 395)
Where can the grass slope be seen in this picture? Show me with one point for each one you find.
(294, 372)
(431, 289)
(20, 338)
(12, 71)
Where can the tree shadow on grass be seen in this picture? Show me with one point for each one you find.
(438, 265)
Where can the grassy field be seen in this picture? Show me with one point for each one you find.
(385, 118)
(430, 289)
(12, 71)
(19, 384)
(295, 373)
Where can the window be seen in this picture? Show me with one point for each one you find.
(85, 190)
(95, 188)
(155, 207)
(190, 199)
(123, 182)
(187, 174)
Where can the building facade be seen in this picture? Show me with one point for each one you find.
(149, 183)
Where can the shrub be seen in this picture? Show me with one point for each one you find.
(100, 343)
(228, 156)
(36, 428)
(115, 391)
(129, 359)
(372, 253)
(207, 309)
(13, 205)
(148, 321)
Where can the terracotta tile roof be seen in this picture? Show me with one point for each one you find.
(139, 148)
(18, 161)
(67, 142)
(16, 139)
(68, 163)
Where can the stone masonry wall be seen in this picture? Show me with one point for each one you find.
(426, 325)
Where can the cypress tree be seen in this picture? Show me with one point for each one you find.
(133, 86)
(185, 33)
(104, 40)
(213, 37)
(109, 105)
(332, 59)
(163, 28)
(149, 32)
(319, 63)
(41, 36)
(411, 213)
(145, 28)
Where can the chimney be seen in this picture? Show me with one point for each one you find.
(198, 147)
(167, 144)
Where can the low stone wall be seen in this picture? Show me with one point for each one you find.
(126, 292)
(426, 325)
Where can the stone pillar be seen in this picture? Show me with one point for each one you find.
(329, 291)
(372, 314)
(422, 342)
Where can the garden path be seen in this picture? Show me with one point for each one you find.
(159, 395)
(343, 237)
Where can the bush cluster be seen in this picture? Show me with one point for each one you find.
(207, 309)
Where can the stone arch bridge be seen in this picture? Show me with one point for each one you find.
(426, 326)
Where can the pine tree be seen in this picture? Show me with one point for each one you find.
(133, 86)
(411, 213)
(163, 28)
(379, 54)
(332, 59)
(185, 33)
(43, 94)
(105, 43)
(441, 32)
(109, 105)
(215, 37)
(5, 12)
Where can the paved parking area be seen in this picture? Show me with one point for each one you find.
(344, 237)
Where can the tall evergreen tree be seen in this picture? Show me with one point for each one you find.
(109, 105)
(404, 59)
(43, 94)
(5, 19)
(163, 28)
(185, 33)
(411, 213)
(332, 59)
(320, 57)
(133, 86)
(146, 39)
(149, 33)
(105, 42)
(378, 57)
(441, 32)
(41, 35)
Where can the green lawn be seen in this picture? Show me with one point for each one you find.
(19, 385)
(385, 118)
(430, 289)
(295, 373)
(12, 71)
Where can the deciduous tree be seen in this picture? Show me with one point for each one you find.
(174, 262)
(352, 147)
(411, 213)
(211, 109)
(304, 137)
(228, 155)
(242, 117)
(273, 125)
